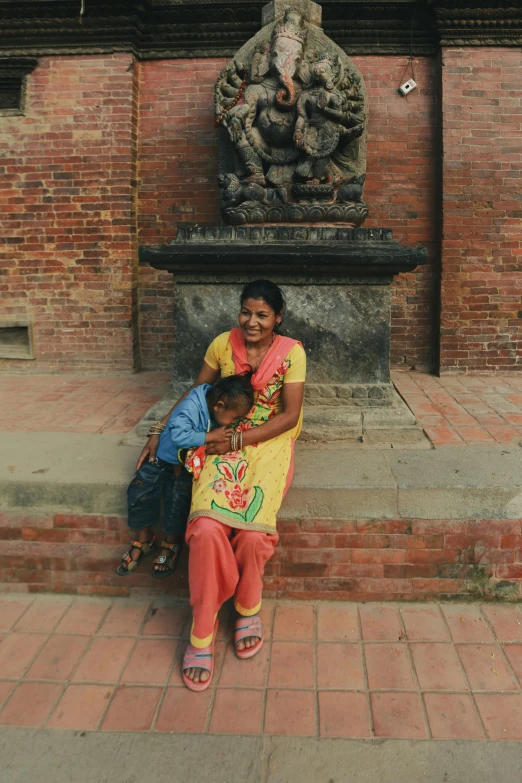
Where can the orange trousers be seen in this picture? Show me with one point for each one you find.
(224, 562)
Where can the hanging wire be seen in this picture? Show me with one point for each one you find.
(409, 63)
(82, 10)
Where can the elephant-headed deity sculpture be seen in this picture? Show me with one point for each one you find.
(291, 111)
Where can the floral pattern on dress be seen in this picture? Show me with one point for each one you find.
(244, 503)
(269, 398)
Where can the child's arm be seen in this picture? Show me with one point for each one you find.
(206, 374)
(185, 435)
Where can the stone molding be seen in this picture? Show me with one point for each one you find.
(155, 29)
(345, 256)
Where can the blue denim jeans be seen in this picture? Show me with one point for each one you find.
(152, 482)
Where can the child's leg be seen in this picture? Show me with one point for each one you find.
(177, 494)
(143, 505)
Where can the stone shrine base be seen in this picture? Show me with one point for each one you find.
(385, 420)
(338, 303)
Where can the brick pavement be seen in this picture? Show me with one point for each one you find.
(422, 671)
(76, 403)
(453, 410)
(458, 409)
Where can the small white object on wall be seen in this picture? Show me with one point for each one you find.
(407, 87)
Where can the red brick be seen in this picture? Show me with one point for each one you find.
(478, 218)
(416, 542)
(360, 541)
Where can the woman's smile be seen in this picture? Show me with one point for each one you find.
(257, 320)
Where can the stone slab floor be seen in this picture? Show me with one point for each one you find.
(327, 670)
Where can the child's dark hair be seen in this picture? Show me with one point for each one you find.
(234, 391)
(265, 289)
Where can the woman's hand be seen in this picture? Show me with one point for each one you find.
(218, 448)
(149, 451)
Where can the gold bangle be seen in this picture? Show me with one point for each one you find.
(233, 441)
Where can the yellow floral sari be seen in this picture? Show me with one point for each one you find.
(245, 489)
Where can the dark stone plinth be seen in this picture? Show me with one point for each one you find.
(294, 255)
(337, 284)
(344, 328)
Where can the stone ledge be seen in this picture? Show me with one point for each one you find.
(356, 524)
(320, 261)
(90, 473)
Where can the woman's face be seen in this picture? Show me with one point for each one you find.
(257, 320)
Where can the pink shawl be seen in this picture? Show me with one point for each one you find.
(272, 360)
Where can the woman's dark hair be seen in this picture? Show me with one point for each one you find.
(265, 289)
(235, 391)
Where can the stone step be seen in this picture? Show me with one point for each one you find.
(393, 424)
(77, 473)
(356, 524)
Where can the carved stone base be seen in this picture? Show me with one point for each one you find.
(392, 425)
(353, 214)
(352, 395)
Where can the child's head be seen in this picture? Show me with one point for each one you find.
(230, 398)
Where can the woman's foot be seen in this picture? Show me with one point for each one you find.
(198, 665)
(248, 636)
(245, 644)
(197, 674)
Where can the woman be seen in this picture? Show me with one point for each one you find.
(232, 524)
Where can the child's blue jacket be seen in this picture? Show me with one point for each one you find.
(187, 426)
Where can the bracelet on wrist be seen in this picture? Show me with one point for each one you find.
(156, 428)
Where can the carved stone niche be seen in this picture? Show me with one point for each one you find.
(291, 109)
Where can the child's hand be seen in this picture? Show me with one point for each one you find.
(219, 437)
(149, 451)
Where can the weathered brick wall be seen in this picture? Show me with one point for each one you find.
(364, 559)
(105, 145)
(177, 180)
(178, 169)
(67, 181)
(481, 322)
(402, 192)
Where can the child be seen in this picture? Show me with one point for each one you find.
(189, 426)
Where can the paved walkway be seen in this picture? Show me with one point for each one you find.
(326, 670)
(78, 403)
(453, 410)
(459, 409)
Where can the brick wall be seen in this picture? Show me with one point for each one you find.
(482, 210)
(67, 179)
(95, 126)
(177, 180)
(365, 559)
(178, 169)
(402, 192)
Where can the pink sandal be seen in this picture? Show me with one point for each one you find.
(199, 658)
(245, 627)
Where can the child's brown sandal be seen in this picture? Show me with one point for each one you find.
(167, 561)
(128, 564)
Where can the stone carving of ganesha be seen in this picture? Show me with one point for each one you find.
(291, 109)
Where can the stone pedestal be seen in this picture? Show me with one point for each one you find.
(337, 284)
